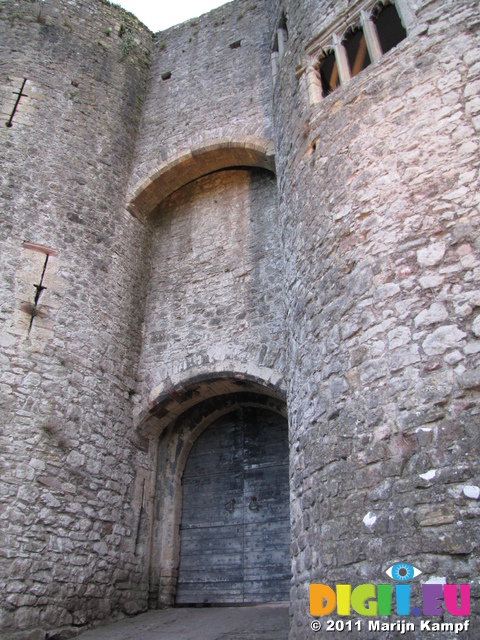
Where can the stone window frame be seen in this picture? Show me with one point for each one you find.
(332, 39)
(279, 44)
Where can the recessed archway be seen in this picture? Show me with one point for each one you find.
(193, 163)
(208, 400)
(174, 396)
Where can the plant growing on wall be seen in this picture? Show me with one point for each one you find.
(39, 17)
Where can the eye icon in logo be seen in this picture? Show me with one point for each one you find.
(402, 572)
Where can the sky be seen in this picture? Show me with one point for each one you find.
(158, 15)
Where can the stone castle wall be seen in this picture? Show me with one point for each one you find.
(214, 289)
(210, 82)
(70, 472)
(214, 299)
(347, 280)
(78, 477)
(381, 230)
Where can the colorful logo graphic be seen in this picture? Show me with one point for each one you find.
(402, 572)
(376, 600)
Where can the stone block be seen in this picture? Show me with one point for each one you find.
(443, 338)
(430, 516)
(431, 255)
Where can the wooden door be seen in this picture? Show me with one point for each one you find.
(235, 531)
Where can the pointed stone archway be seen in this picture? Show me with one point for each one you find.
(213, 402)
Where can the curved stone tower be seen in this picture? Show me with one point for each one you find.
(269, 211)
(72, 81)
(378, 190)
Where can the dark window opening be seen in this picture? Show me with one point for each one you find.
(389, 26)
(283, 24)
(329, 73)
(281, 36)
(356, 47)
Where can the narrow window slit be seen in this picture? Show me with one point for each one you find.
(39, 289)
(140, 516)
(282, 35)
(279, 45)
(19, 95)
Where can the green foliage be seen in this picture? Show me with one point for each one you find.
(128, 46)
(128, 41)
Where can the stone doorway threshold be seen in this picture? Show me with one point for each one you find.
(257, 622)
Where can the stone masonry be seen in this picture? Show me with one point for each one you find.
(69, 466)
(379, 206)
(188, 225)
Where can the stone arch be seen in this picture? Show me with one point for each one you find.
(179, 417)
(193, 163)
(180, 392)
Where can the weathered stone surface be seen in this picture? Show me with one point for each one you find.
(347, 283)
(437, 312)
(472, 492)
(431, 517)
(379, 198)
(471, 379)
(431, 255)
(476, 326)
(442, 339)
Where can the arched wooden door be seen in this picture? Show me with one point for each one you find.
(235, 530)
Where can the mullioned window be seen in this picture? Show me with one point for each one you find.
(336, 58)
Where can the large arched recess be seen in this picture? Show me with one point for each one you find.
(195, 162)
(175, 421)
